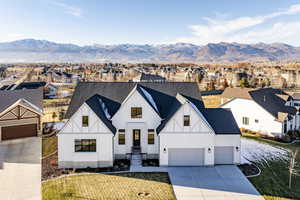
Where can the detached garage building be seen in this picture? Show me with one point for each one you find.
(20, 113)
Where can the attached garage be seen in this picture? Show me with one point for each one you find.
(20, 131)
(224, 155)
(186, 156)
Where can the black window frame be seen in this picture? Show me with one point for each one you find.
(151, 132)
(85, 145)
(186, 120)
(83, 121)
(121, 141)
(256, 121)
(136, 112)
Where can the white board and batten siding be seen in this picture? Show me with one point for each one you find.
(190, 141)
(259, 119)
(96, 130)
(122, 120)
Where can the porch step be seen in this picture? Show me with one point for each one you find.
(136, 160)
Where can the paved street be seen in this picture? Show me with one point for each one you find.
(20, 169)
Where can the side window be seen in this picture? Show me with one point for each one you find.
(121, 136)
(151, 136)
(245, 120)
(186, 120)
(85, 121)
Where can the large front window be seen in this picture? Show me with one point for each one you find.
(121, 136)
(136, 112)
(85, 145)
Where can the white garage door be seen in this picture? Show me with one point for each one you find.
(186, 157)
(224, 155)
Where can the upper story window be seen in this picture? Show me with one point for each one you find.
(136, 112)
(246, 120)
(186, 120)
(85, 145)
(151, 136)
(85, 121)
(121, 136)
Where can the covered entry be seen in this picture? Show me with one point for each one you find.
(224, 155)
(186, 156)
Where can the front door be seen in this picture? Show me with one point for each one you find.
(136, 137)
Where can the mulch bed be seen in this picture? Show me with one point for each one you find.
(50, 168)
(249, 169)
(150, 163)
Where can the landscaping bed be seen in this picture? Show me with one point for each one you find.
(249, 169)
(150, 163)
(125, 186)
(119, 166)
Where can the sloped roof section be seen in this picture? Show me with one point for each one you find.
(221, 120)
(98, 106)
(163, 94)
(237, 93)
(9, 97)
(270, 100)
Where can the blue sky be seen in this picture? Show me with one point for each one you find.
(86, 22)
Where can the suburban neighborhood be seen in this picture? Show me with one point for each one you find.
(149, 100)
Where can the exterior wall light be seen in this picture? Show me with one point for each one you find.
(209, 150)
(237, 148)
(165, 150)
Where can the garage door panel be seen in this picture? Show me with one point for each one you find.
(20, 131)
(224, 155)
(185, 156)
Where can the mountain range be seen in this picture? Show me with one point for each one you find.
(31, 50)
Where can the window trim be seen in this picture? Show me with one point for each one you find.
(92, 145)
(82, 121)
(135, 114)
(188, 121)
(151, 132)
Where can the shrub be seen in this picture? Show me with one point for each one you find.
(286, 138)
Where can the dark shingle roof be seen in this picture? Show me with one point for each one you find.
(9, 97)
(115, 92)
(95, 104)
(221, 120)
(151, 77)
(30, 85)
(268, 99)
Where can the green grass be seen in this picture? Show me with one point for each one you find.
(49, 145)
(274, 179)
(124, 186)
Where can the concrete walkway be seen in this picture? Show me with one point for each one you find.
(20, 169)
(223, 182)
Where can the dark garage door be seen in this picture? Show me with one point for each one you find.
(13, 132)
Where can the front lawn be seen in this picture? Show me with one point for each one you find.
(274, 180)
(125, 186)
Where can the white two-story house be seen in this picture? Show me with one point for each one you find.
(165, 121)
(268, 111)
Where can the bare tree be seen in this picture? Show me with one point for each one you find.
(292, 169)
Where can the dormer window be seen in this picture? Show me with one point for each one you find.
(85, 121)
(186, 120)
(136, 112)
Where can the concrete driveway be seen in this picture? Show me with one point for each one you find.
(224, 182)
(20, 169)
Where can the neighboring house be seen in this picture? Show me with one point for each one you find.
(295, 100)
(20, 113)
(266, 110)
(149, 78)
(165, 121)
